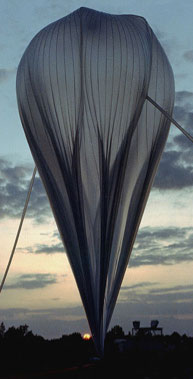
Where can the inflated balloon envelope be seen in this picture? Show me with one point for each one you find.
(82, 85)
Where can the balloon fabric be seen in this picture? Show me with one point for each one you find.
(96, 140)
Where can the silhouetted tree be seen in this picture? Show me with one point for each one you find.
(15, 333)
(76, 336)
(116, 332)
(23, 330)
(2, 329)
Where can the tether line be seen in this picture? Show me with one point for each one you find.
(20, 226)
(166, 114)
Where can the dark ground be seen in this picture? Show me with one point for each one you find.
(23, 355)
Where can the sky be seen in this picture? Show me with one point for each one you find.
(40, 290)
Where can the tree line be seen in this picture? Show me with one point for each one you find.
(24, 352)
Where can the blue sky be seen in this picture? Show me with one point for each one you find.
(40, 289)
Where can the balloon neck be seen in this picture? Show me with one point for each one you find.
(99, 346)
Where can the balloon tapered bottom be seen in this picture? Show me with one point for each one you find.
(99, 345)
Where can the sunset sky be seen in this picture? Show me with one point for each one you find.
(40, 290)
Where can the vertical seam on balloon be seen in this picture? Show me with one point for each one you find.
(124, 91)
(36, 52)
(59, 92)
(106, 127)
(132, 74)
(46, 106)
(26, 92)
(67, 114)
(156, 84)
(161, 115)
(137, 95)
(146, 105)
(26, 68)
(51, 85)
(31, 82)
(144, 60)
(105, 100)
(35, 130)
(66, 87)
(91, 86)
(106, 122)
(112, 88)
(73, 125)
(165, 121)
(58, 88)
(98, 75)
(33, 88)
(118, 89)
(79, 37)
(73, 132)
(87, 97)
(89, 79)
(135, 43)
(73, 65)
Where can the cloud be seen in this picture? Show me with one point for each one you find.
(174, 289)
(155, 234)
(184, 143)
(32, 281)
(175, 171)
(183, 110)
(175, 294)
(138, 285)
(160, 259)
(172, 174)
(188, 55)
(59, 313)
(183, 97)
(14, 184)
(162, 246)
(53, 249)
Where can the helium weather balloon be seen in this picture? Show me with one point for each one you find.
(82, 85)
